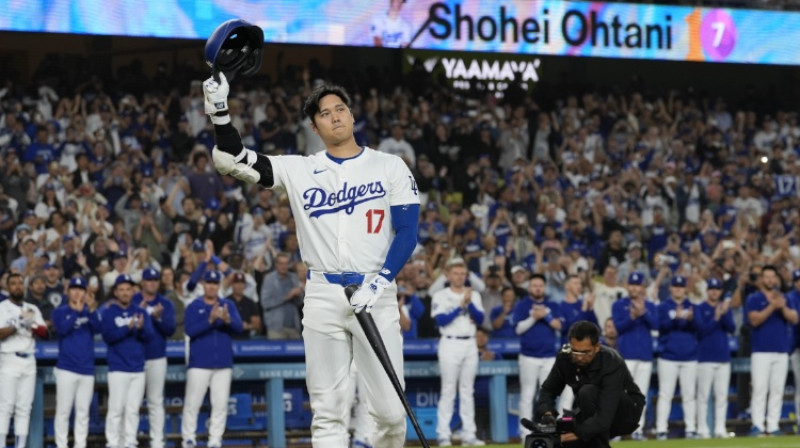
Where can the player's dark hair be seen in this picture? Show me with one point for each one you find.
(311, 106)
(769, 267)
(583, 329)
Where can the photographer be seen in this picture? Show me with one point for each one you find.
(607, 401)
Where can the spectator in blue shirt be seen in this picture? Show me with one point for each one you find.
(411, 309)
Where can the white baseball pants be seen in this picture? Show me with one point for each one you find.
(716, 376)
(155, 374)
(768, 372)
(359, 419)
(795, 360)
(125, 394)
(532, 373)
(642, 372)
(333, 339)
(218, 383)
(670, 372)
(17, 384)
(458, 365)
(72, 389)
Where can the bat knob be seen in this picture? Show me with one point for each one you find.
(349, 290)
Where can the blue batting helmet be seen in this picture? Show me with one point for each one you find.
(235, 47)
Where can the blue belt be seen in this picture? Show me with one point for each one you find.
(459, 337)
(343, 278)
(23, 355)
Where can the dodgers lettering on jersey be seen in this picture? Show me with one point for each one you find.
(343, 210)
(445, 302)
(393, 32)
(10, 315)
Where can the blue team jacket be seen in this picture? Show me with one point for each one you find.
(678, 337)
(126, 346)
(210, 344)
(774, 335)
(540, 340)
(572, 313)
(75, 331)
(164, 327)
(635, 342)
(712, 335)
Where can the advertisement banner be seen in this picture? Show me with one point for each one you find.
(534, 27)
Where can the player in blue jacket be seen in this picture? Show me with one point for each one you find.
(794, 358)
(75, 325)
(162, 313)
(126, 330)
(772, 316)
(714, 322)
(575, 307)
(210, 321)
(678, 361)
(536, 321)
(635, 317)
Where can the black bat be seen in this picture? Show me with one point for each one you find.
(367, 324)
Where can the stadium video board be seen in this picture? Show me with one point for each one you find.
(536, 27)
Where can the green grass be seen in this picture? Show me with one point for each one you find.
(738, 442)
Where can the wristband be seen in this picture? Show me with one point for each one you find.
(215, 259)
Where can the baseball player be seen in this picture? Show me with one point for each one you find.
(771, 316)
(162, 313)
(391, 30)
(714, 321)
(457, 310)
(357, 212)
(210, 321)
(794, 296)
(635, 318)
(678, 361)
(536, 321)
(126, 329)
(75, 325)
(20, 321)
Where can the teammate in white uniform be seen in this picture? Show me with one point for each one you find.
(391, 30)
(457, 309)
(356, 212)
(19, 322)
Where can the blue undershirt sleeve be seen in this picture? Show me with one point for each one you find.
(405, 220)
(475, 313)
(443, 320)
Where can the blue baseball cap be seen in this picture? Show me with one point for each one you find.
(636, 278)
(679, 281)
(714, 283)
(151, 273)
(123, 278)
(119, 255)
(213, 204)
(212, 277)
(198, 246)
(796, 275)
(77, 282)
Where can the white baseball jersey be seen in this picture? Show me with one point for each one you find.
(444, 302)
(393, 32)
(342, 211)
(10, 315)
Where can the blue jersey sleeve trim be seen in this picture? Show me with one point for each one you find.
(405, 220)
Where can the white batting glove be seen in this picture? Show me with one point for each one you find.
(239, 166)
(368, 293)
(216, 99)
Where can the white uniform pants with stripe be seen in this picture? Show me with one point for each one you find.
(458, 365)
(532, 373)
(714, 376)
(72, 389)
(795, 360)
(359, 418)
(218, 383)
(17, 384)
(125, 394)
(670, 372)
(155, 372)
(641, 371)
(333, 339)
(768, 372)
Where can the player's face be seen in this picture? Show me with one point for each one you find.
(714, 295)
(16, 288)
(583, 352)
(635, 291)
(150, 286)
(76, 295)
(211, 290)
(769, 279)
(457, 276)
(536, 288)
(333, 122)
(678, 293)
(123, 292)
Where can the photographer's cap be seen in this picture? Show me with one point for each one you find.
(636, 278)
(679, 281)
